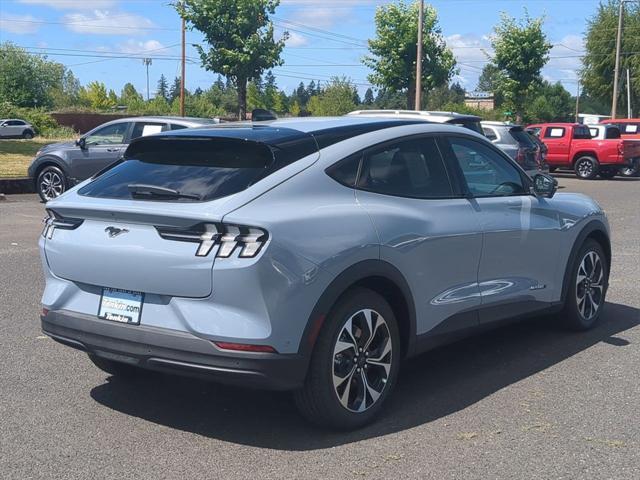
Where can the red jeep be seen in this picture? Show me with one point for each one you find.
(571, 146)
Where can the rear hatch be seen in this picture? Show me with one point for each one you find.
(146, 224)
(529, 156)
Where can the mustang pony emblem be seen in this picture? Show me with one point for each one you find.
(114, 232)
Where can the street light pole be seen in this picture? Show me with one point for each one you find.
(147, 62)
(629, 111)
(616, 72)
(182, 79)
(418, 104)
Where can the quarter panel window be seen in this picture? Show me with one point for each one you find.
(486, 172)
(142, 129)
(346, 171)
(410, 168)
(554, 132)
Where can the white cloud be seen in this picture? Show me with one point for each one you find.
(135, 47)
(21, 24)
(296, 40)
(103, 22)
(72, 4)
(470, 51)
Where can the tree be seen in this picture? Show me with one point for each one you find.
(163, 88)
(241, 39)
(197, 92)
(270, 91)
(599, 61)
(393, 51)
(254, 96)
(295, 109)
(489, 81)
(302, 95)
(521, 50)
(97, 97)
(67, 92)
(174, 91)
(551, 103)
(28, 80)
(368, 97)
(336, 99)
(129, 95)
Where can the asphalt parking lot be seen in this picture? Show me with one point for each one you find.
(525, 401)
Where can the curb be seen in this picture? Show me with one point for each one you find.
(17, 185)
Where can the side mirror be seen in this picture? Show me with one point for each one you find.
(544, 185)
(81, 143)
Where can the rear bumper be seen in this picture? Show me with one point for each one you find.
(174, 352)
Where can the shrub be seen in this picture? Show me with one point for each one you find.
(37, 117)
(59, 132)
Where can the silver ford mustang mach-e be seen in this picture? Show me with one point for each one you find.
(312, 255)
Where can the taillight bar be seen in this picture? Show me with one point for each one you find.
(250, 240)
(55, 221)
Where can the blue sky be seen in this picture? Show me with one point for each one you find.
(326, 37)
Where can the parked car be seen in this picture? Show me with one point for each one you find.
(571, 146)
(629, 130)
(472, 122)
(59, 166)
(312, 255)
(16, 128)
(517, 143)
(604, 132)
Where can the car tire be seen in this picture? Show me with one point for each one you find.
(587, 287)
(51, 183)
(350, 377)
(27, 134)
(587, 168)
(632, 171)
(117, 369)
(608, 173)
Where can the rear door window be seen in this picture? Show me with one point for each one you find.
(142, 129)
(410, 168)
(490, 133)
(581, 133)
(184, 170)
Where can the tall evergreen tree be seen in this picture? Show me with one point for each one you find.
(368, 97)
(163, 88)
(174, 92)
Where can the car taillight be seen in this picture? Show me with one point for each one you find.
(244, 347)
(621, 148)
(228, 238)
(520, 155)
(55, 221)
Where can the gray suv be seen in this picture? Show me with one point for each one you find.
(517, 143)
(312, 255)
(60, 166)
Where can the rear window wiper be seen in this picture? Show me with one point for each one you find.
(141, 189)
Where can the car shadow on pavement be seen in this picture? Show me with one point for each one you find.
(431, 386)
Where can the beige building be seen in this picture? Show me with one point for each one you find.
(479, 100)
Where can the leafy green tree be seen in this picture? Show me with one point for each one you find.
(270, 91)
(393, 51)
(368, 97)
(302, 95)
(551, 103)
(489, 81)
(389, 99)
(113, 98)
(254, 96)
(28, 80)
(241, 39)
(600, 45)
(521, 50)
(281, 104)
(445, 94)
(129, 95)
(66, 93)
(97, 97)
(295, 108)
(163, 88)
(336, 99)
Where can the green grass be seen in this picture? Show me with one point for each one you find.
(16, 155)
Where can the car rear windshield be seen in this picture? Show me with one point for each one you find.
(470, 124)
(522, 137)
(184, 169)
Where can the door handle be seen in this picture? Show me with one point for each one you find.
(113, 149)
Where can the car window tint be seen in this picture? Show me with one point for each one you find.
(177, 127)
(490, 133)
(521, 137)
(581, 133)
(612, 133)
(110, 134)
(410, 168)
(142, 129)
(554, 132)
(486, 172)
(346, 171)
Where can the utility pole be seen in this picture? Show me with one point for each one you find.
(147, 62)
(182, 79)
(418, 104)
(578, 103)
(616, 72)
(629, 111)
